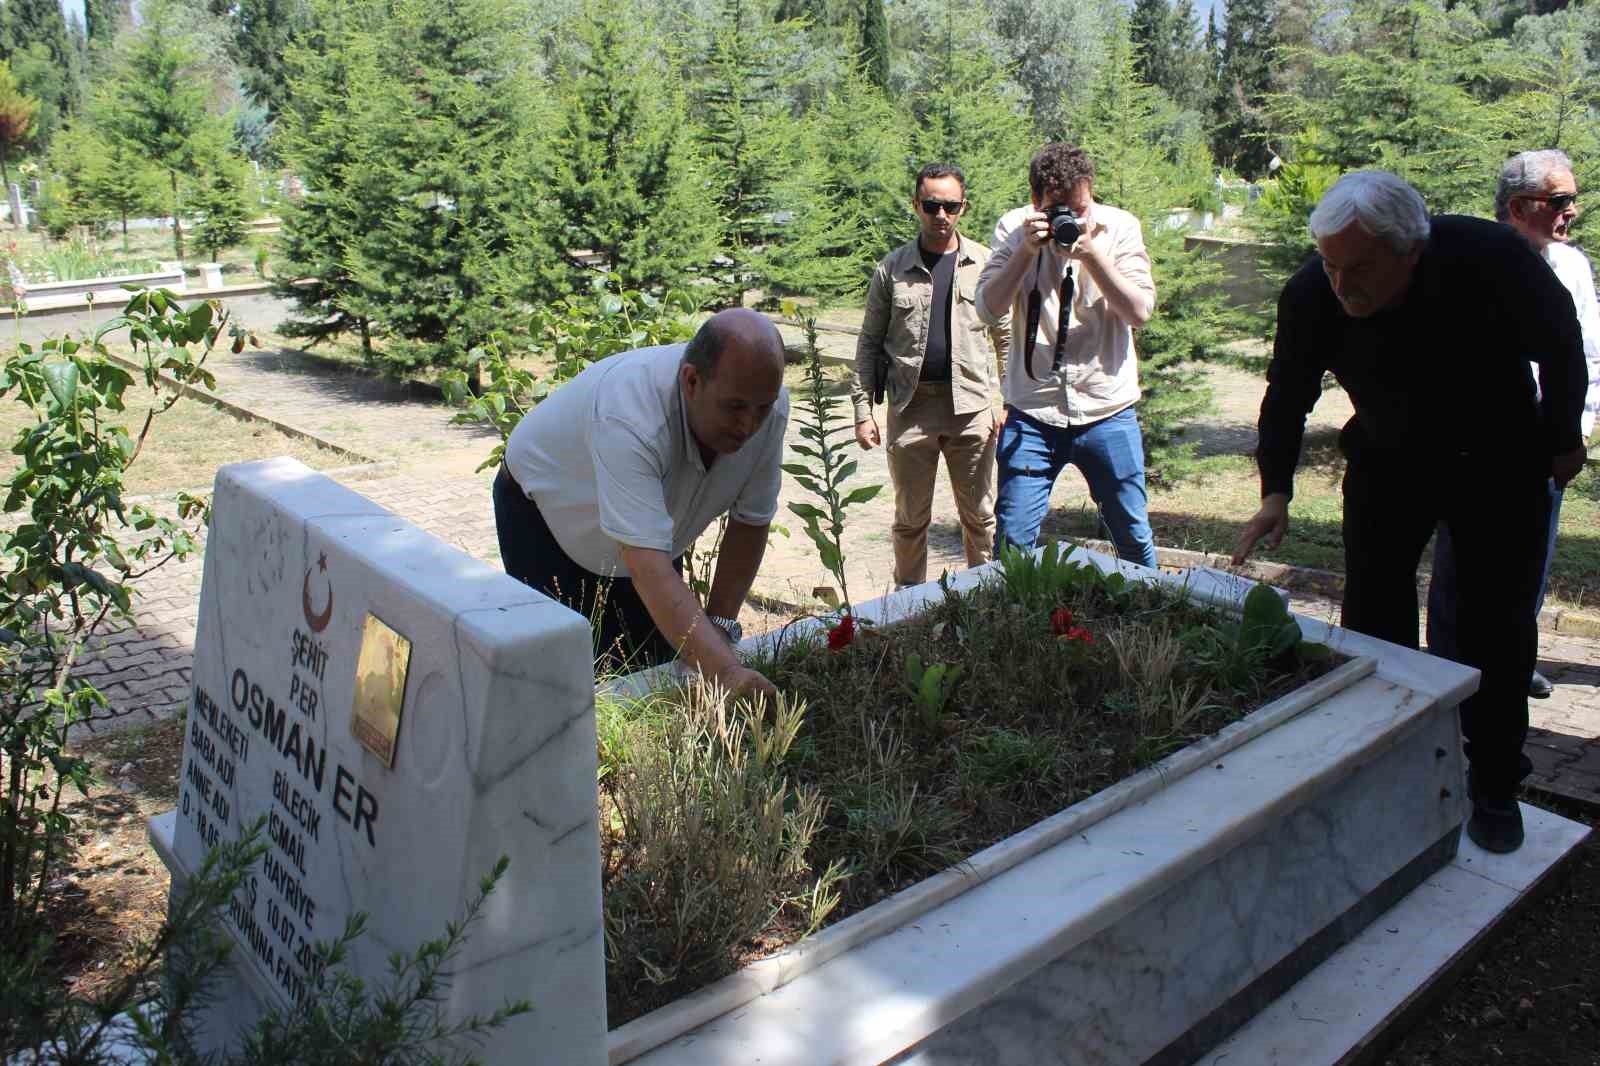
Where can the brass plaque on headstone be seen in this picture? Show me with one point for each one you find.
(380, 688)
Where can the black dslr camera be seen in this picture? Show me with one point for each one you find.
(1064, 226)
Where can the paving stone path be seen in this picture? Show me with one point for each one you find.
(427, 476)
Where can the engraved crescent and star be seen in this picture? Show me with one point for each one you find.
(317, 622)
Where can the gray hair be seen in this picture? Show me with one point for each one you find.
(1380, 203)
(1525, 174)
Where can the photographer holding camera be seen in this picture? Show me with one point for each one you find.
(1074, 276)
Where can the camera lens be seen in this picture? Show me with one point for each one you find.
(1064, 227)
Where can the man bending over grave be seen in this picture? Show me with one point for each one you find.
(608, 482)
(1430, 324)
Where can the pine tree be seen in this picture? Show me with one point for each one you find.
(446, 162)
(968, 111)
(218, 199)
(865, 171)
(17, 112)
(320, 138)
(1244, 80)
(96, 180)
(1128, 130)
(625, 190)
(262, 30)
(875, 58)
(1402, 99)
(744, 136)
(159, 101)
(102, 19)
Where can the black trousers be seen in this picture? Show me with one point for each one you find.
(626, 637)
(1498, 515)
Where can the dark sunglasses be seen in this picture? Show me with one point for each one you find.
(949, 207)
(1559, 202)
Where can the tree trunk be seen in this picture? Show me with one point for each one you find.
(177, 218)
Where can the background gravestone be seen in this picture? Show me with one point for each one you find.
(318, 609)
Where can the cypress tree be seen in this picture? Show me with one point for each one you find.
(102, 18)
(218, 199)
(45, 58)
(1244, 80)
(875, 58)
(262, 30)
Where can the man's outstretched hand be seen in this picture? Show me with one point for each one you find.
(743, 681)
(1271, 522)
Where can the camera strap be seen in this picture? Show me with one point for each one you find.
(1035, 305)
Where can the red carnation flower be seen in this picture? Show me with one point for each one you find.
(1080, 633)
(842, 634)
(1060, 621)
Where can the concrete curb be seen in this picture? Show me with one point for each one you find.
(242, 412)
(111, 307)
(1331, 584)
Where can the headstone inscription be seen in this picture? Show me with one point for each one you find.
(401, 715)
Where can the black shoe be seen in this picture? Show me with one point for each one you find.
(1495, 825)
(1539, 686)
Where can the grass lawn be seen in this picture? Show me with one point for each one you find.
(34, 248)
(1206, 513)
(185, 446)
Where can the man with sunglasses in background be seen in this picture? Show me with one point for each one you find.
(924, 350)
(1538, 197)
(1074, 277)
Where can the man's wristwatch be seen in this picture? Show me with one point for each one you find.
(730, 626)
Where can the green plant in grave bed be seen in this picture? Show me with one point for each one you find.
(930, 686)
(1046, 575)
(825, 470)
(1265, 632)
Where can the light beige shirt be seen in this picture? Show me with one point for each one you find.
(610, 462)
(1099, 373)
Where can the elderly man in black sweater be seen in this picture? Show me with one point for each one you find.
(1430, 326)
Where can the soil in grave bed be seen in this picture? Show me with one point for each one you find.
(727, 833)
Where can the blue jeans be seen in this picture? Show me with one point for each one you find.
(1110, 455)
(1442, 589)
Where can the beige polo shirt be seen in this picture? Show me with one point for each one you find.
(609, 460)
(1099, 374)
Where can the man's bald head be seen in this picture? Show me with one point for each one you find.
(739, 333)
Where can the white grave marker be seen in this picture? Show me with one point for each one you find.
(489, 750)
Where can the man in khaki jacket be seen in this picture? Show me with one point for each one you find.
(924, 347)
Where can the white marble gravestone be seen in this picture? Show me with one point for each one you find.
(493, 754)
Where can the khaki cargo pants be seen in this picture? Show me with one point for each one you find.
(918, 436)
